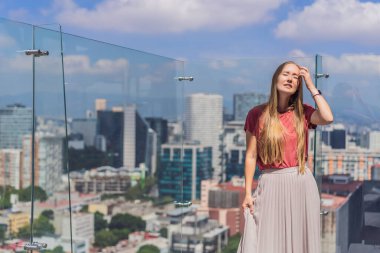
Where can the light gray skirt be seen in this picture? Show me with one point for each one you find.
(286, 216)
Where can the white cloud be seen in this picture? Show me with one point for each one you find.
(353, 64)
(297, 53)
(333, 20)
(6, 41)
(18, 14)
(81, 64)
(74, 64)
(239, 80)
(223, 64)
(164, 16)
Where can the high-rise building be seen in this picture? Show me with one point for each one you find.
(160, 127)
(48, 163)
(10, 163)
(335, 136)
(82, 226)
(342, 203)
(177, 175)
(15, 121)
(246, 101)
(204, 122)
(139, 142)
(355, 161)
(129, 138)
(338, 138)
(86, 127)
(100, 104)
(233, 146)
(110, 125)
(375, 172)
(374, 140)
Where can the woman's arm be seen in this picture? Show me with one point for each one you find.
(323, 114)
(249, 170)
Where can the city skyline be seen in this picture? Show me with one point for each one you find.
(127, 173)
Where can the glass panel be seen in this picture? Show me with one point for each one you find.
(51, 215)
(124, 108)
(124, 115)
(350, 153)
(15, 132)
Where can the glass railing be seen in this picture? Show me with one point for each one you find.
(350, 154)
(137, 151)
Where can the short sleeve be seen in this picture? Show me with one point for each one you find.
(251, 121)
(308, 111)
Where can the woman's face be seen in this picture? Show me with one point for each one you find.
(287, 81)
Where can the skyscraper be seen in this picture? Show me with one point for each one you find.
(100, 104)
(204, 122)
(48, 162)
(15, 121)
(128, 137)
(86, 127)
(110, 125)
(245, 101)
(195, 167)
(10, 162)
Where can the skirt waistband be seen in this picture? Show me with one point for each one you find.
(282, 171)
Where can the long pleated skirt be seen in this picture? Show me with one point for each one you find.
(286, 216)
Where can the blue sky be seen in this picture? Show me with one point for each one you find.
(195, 29)
(229, 46)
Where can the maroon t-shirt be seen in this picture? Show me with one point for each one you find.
(290, 142)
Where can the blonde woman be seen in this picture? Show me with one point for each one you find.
(283, 215)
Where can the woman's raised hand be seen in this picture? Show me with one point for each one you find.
(304, 72)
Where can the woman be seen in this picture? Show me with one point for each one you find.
(283, 215)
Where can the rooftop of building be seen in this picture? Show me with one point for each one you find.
(236, 184)
(332, 202)
(363, 248)
(339, 184)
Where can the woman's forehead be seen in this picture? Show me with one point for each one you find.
(291, 68)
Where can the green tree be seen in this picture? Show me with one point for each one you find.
(233, 243)
(24, 232)
(105, 238)
(84, 209)
(140, 192)
(48, 214)
(149, 248)
(39, 193)
(57, 249)
(87, 158)
(5, 196)
(164, 232)
(41, 227)
(5, 203)
(99, 222)
(121, 234)
(2, 233)
(133, 223)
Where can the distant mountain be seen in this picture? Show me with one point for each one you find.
(349, 106)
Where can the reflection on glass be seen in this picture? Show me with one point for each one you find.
(349, 155)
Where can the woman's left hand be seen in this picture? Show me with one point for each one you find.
(304, 72)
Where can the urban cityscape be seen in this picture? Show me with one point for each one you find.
(128, 171)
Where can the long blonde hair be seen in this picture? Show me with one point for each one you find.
(271, 141)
